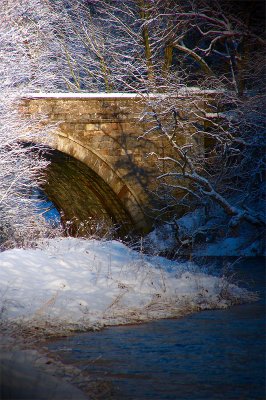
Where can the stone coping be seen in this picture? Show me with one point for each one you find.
(114, 95)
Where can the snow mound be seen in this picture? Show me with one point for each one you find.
(90, 283)
(234, 246)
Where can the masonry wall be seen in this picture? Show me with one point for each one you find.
(105, 133)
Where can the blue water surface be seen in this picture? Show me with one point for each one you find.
(210, 355)
(46, 207)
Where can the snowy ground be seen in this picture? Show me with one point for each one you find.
(81, 284)
(208, 236)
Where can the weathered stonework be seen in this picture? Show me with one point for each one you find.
(104, 133)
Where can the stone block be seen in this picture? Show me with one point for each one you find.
(92, 127)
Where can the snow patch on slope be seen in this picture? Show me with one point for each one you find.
(95, 283)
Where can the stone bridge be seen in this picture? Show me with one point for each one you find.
(100, 168)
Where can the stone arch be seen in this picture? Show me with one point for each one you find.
(117, 198)
(102, 131)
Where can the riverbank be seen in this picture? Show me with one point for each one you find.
(79, 285)
(30, 371)
(188, 358)
(72, 284)
(81, 360)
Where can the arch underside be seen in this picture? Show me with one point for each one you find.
(83, 196)
(122, 194)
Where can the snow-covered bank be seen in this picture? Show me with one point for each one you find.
(89, 283)
(201, 235)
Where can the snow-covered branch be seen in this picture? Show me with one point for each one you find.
(27, 63)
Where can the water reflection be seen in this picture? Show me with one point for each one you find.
(210, 355)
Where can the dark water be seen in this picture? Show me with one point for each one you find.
(205, 356)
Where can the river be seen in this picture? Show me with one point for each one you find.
(211, 355)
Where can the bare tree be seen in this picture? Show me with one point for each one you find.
(113, 45)
(135, 45)
(170, 47)
(225, 116)
(26, 64)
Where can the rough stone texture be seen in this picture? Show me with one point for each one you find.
(104, 134)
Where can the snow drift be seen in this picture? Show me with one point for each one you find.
(83, 284)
